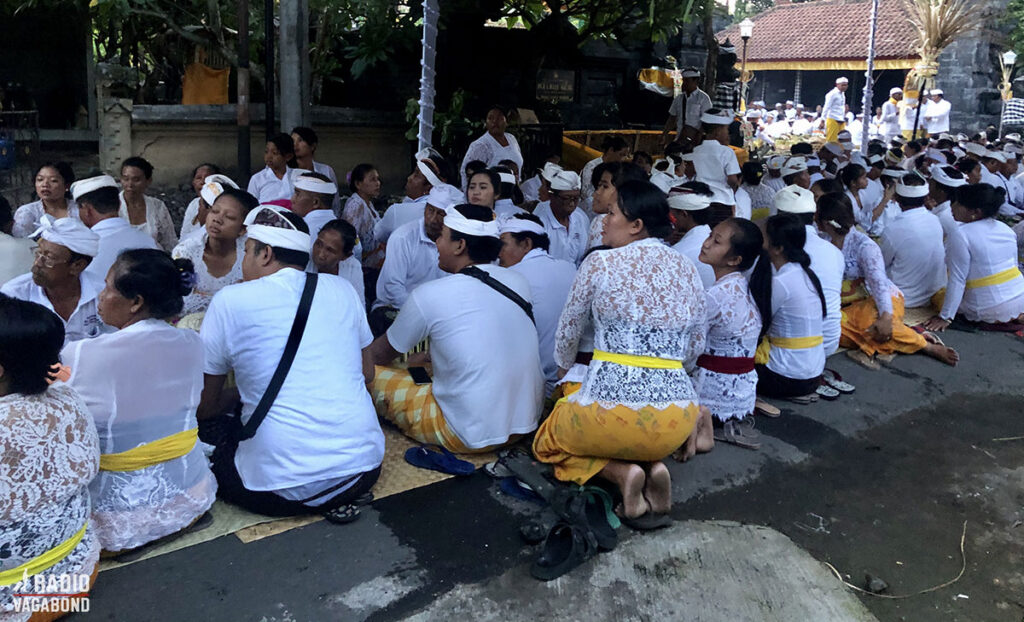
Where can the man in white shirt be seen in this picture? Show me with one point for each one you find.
(795, 172)
(936, 113)
(15, 253)
(690, 206)
(98, 205)
(412, 257)
(714, 162)
(890, 127)
(991, 165)
(686, 109)
(424, 176)
(834, 110)
(535, 189)
(524, 249)
(774, 178)
(912, 245)
(826, 260)
(942, 188)
(313, 200)
(333, 253)
(790, 111)
(59, 282)
(320, 447)
(566, 224)
(488, 387)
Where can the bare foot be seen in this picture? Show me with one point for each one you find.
(630, 479)
(701, 440)
(658, 489)
(943, 353)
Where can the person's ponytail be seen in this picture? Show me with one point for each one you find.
(761, 290)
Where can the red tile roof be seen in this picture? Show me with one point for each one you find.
(826, 30)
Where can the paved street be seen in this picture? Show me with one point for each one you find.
(879, 482)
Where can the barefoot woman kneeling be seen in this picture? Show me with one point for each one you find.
(636, 404)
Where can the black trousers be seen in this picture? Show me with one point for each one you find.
(771, 384)
(221, 432)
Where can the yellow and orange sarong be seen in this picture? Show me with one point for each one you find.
(860, 312)
(581, 440)
(832, 129)
(414, 410)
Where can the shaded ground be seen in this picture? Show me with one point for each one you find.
(892, 471)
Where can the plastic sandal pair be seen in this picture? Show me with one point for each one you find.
(740, 433)
(437, 458)
(835, 381)
(587, 525)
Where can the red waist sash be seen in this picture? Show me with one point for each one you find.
(726, 364)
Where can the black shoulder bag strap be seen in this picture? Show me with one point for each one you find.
(499, 287)
(290, 348)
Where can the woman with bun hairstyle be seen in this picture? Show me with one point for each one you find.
(985, 284)
(142, 386)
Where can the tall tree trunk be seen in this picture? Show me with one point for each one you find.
(711, 66)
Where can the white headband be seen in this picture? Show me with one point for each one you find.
(941, 177)
(457, 222)
(85, 186)
(70, 234)
(507, 178)
(896, 173)
(521, 225)
(223, 180)
(282, 237)
(312, 184)
(565, 181)
(210, 191)
(688, 201)
(911, 192)
(428, 173)
(689, 73)
(714, 119)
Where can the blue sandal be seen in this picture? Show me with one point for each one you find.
(437, 458)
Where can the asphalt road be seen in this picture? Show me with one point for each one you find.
(879, 482)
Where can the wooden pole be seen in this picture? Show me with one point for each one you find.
(242, 106)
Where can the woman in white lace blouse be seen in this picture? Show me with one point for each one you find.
(142, 386)
(637, 404)
(217, 253)
(726, 380)
(52, 181)
(50, 454)
(364, 182)
(144, 212)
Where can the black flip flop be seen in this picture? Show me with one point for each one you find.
(600, 517)
(566, 547)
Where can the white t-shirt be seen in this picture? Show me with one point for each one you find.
(697, 103)
(483, 347)
(915, 258)
(689, 247)
(396, 216)
(84, 322)
(550, 280)
(322, 425)
(116, 235)
(713, 162)
(410, 261)
(796, 312)
(568, 244)
(265, 185)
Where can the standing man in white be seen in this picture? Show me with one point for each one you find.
(686, 109)
(834, 110)
(936, 113)
(891, 115)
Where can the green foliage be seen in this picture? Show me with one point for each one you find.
(450, 123)
(749, 8)
(1014, 20)
(647, 20)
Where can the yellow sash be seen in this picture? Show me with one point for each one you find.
(48, 559)
(167, 448)
(995, 279)
(634, 360)
(853, 290)
(796, 343)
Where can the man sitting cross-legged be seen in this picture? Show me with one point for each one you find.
(488, 386)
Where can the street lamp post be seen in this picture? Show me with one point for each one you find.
(746, 31)
(1007, 60)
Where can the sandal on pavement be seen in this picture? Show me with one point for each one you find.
(566, 547)
(737, 434)
(515, 488)
(600, 517)
(834, 380)
(533, 532)
(810, 398)
(826, 392)
(437, 458)
(341, 515)
(648, 521)
(864, 360)
(765, 409)
(497, 470)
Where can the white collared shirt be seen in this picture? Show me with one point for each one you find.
(936, 116)
(828, 264)
(322, 425)
(266, 187)
(697, 103)
(316, 220)
(689, 247)
(835, 106)
(568, 244)
(116, 235)
(484, 351)
(914, 255)
(796, 312)
(411, 260)
(550, 280)
(505, 209)
(714, 162)
(398, 215)
(84, 322)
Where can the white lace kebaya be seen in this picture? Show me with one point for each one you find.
(142, 384)
(49, 455)
(643, 299)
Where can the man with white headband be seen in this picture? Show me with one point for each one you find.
(890, 127)
(524, 249)
(794, 172)
(912, 244)
(487, 387)
(936, 113)
(714, 161)
(834, 110)
(319, 446)
(774, 178)
(991, 173)
(411, 259)
(942, 189)
(690, 205)
(59, 280)
(429, 172)
(566, 224)
(98, 206)
(535, 189)
(686, 109)
(826, 260)
(314, 201)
